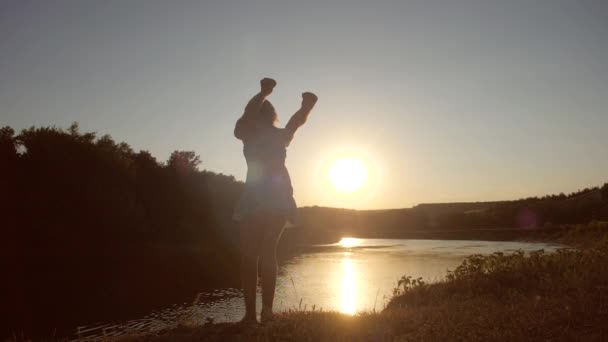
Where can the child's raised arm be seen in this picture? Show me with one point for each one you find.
(299, 118)
(244, 125)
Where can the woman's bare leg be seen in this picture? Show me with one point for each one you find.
(251, 238)
(273, 229)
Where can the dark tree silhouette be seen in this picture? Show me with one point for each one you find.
(184, 161)
(105, 229)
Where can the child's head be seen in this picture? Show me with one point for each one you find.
(268, 114)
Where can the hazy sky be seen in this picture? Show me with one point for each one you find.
(444, 100)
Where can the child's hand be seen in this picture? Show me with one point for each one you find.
(308, 100)
(267, 85)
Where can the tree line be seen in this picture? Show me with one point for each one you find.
(579, 207)
(90, 226)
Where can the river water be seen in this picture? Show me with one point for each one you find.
(351, 276)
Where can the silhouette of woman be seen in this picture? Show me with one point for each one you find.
(267, 202)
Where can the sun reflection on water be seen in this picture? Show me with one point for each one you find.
(349, 242)
(349, 287)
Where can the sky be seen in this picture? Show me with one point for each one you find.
(444, 101)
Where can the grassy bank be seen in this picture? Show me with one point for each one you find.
(548, 297)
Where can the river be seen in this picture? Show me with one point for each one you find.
(350, 276)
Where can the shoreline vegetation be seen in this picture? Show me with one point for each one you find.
(558, 296)
(96, 231)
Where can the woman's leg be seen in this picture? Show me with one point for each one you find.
(268, 258)
(251, 238)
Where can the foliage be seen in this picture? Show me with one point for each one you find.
(581, 207)
(95, 223)
(407, 284)
(567, 272)
(183, 161)
(501, 220)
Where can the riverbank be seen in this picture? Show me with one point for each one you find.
(558, 296)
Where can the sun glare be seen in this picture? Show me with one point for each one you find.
(347, 174)
(349, 242)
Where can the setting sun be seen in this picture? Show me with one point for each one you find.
(347, 174)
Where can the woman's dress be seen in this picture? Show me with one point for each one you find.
(268, 185)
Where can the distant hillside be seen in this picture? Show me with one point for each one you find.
(434, 211)
(443, 208)
(322, 224)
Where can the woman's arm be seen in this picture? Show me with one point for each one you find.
(244, 125)
(299, 118)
